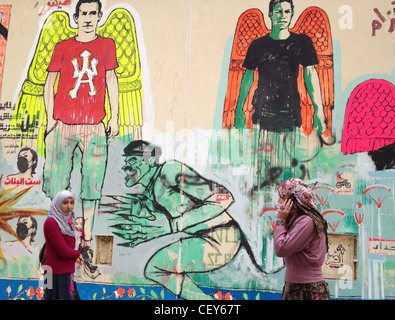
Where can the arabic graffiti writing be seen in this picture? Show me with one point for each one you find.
(21, 181)
(53, 4)
(378, 24)
(341, 260)
(381, 246)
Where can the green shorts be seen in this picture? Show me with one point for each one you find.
(60, 145)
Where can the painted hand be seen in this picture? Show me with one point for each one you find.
(112, 128)
(137, 230)
(319, 123)
(51, 124)
(127, 205)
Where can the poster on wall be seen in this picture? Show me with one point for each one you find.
(342, 258)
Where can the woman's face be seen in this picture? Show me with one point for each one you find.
(280, 200)
(68, 205)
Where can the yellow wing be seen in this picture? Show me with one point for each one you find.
(120, 27)
(29, 120)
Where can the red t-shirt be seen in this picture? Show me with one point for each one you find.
(61, 254)
(81, 90)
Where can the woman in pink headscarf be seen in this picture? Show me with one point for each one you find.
(300, 238)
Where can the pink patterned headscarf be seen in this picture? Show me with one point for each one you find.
(305, 204)
(300, 190)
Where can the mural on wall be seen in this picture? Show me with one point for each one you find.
(155, 223)
(256, 78)
(369, 124)
(176, 199)
(26, 226)
(270, 158)
(30, 116)
(5, 14)
(280, 85)
(277, 111)
(104, 76)
(25, 178)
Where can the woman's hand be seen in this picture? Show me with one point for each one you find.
(285, 209)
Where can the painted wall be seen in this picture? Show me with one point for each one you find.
(199, 223)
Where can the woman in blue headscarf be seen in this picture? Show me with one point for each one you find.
(60, 243)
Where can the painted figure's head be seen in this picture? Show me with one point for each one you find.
(26, 226)
(27, 159)
(281, 13)
(141, 157)
(87, 15)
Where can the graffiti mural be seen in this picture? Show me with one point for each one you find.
(280, 85)
(104, 76)
(30, 116)
(5, 15)
(177, 199)
(270, 75)
(369, 122)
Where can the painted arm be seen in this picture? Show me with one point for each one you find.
(245, 86)
(313, 87)
(187, 202)
(49, 98)
(113, 96)
(190, 199)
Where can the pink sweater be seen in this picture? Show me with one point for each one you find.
(303, 252)
(61, 255)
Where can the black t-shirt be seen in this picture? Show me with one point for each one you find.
(276, 100)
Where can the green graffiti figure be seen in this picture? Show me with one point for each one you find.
(280, 87)
(277, 57)
(173, 198)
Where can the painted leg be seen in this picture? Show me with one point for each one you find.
(170, 266)
(88, 211)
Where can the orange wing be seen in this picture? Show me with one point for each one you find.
(315, 23)
(250, 26)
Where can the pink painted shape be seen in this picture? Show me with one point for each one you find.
(369, 122)
(6, 11)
